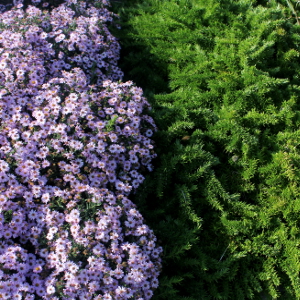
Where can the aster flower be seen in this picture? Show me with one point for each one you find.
(49, 115)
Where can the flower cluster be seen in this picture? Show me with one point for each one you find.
(71, 35)
(73, 146)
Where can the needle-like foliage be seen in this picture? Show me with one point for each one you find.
(223, 79)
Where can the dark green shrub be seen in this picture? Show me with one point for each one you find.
(223, 78)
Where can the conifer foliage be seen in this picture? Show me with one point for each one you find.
(223, 79)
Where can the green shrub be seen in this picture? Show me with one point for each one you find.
(223, 79)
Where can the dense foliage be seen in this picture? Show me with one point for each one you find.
(223, 80)
(74, 143)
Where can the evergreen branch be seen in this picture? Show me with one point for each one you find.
(293, 10)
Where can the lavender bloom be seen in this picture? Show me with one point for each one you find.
(72, 143)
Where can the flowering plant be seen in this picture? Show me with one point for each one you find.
(72, 146)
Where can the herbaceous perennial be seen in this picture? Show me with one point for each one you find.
(73, 142)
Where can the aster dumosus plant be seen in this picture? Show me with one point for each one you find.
(73, 144)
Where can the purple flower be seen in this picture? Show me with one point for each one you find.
(60, 170)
